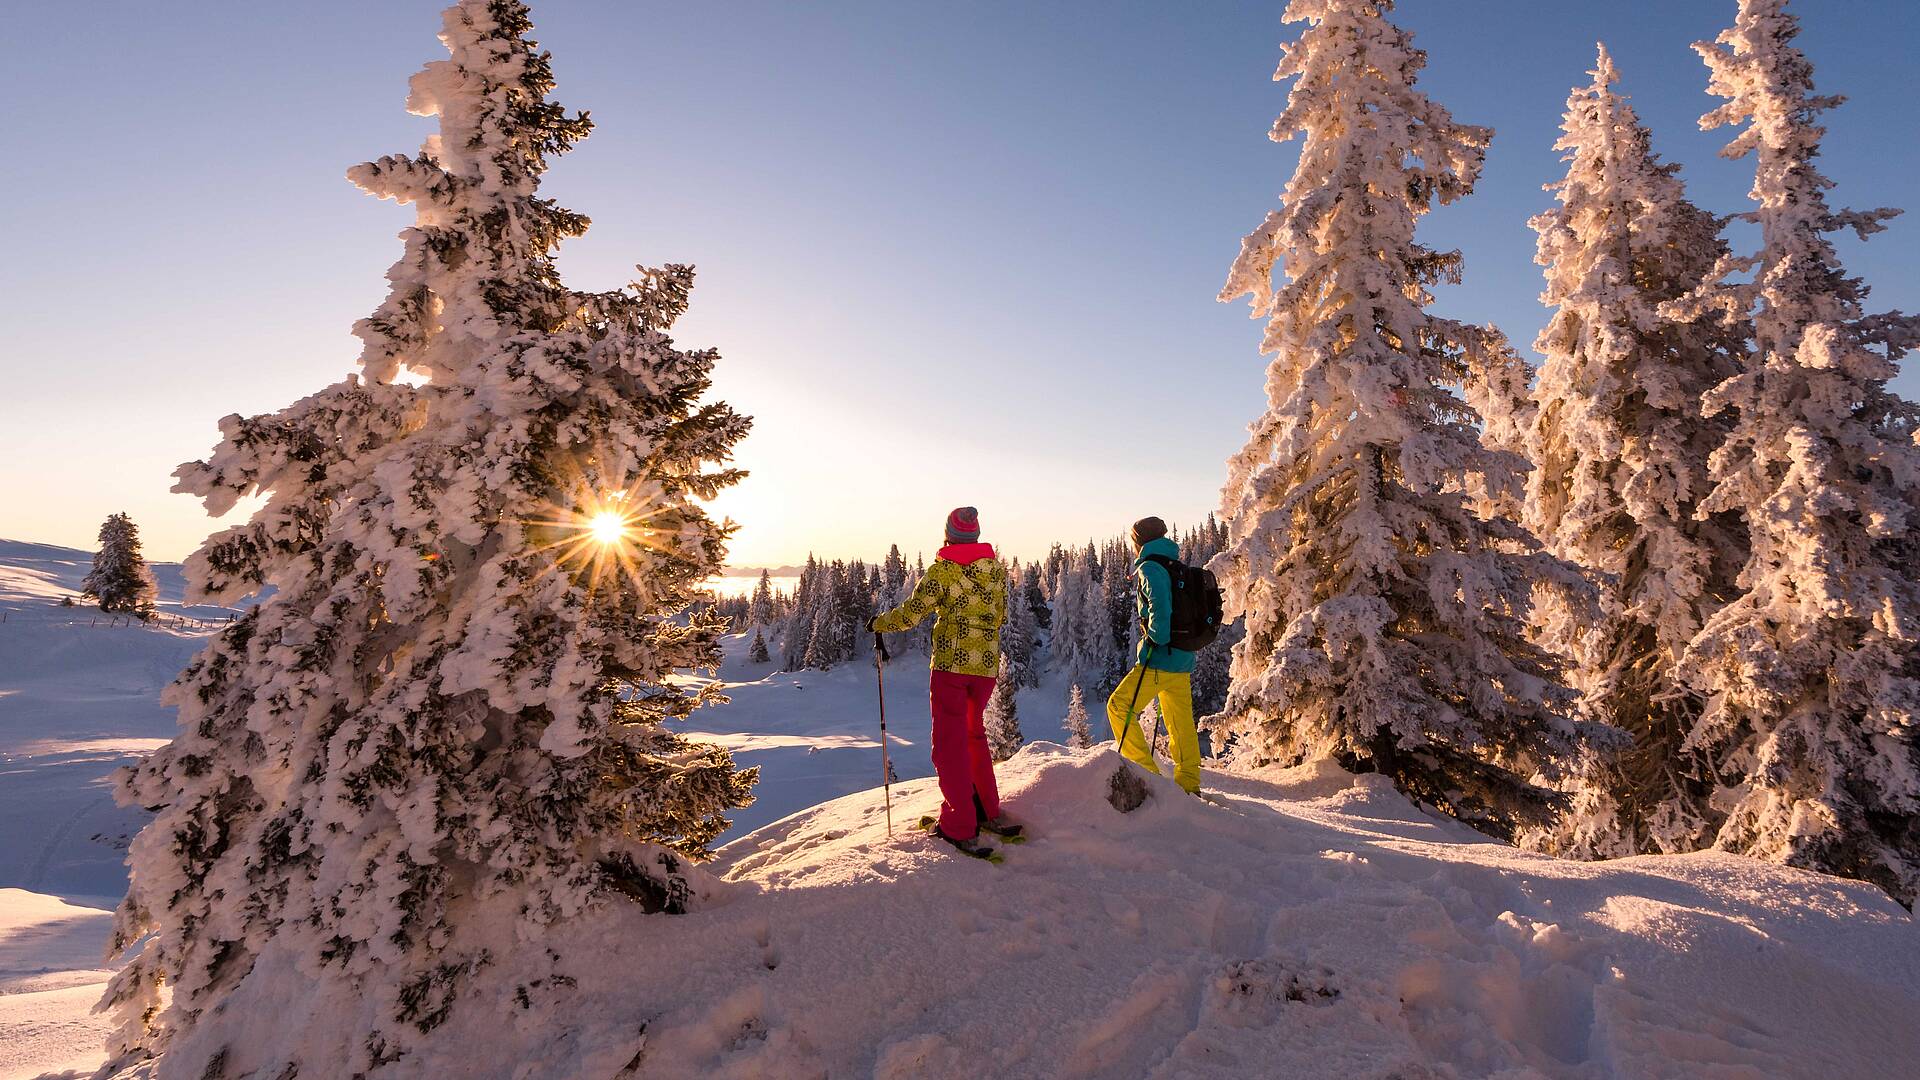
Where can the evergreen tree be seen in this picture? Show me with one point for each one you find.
(1002, 719)
(760, 609)
(757, 652)
(1079, 735)
(822, 649)
(1057, 559)
(1018, 636)
(1119, 592)
(1620, 451)
(1810, 673)
(120, 580)
(807, 598)
(1385, 621)
(1035, 596)
(893, 572)
(453, 700)
(1082, 636)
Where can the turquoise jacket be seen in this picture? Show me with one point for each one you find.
(1153, 608)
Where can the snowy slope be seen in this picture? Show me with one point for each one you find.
(79, 697)
(50, 976)
(1317, 926)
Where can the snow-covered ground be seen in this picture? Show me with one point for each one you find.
(1316, 925)
(79, 697)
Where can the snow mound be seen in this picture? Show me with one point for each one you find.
(1312, 924)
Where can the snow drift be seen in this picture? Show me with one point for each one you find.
(1317, 925)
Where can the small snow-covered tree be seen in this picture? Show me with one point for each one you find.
(1385, 620)
(120, 580)
(757, 652)
(1620, 449)
(1811, 674)
(1002, 719)
(1079, 734)
(453, 700)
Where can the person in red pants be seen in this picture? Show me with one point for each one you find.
(965, 590)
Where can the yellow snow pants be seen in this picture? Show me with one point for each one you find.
(1174, 691)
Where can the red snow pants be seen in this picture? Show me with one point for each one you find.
(961, 758)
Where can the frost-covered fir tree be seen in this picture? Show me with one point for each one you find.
(808, 595)
(760, 609)
(1620, 451)
(1385, 620)
(453, 700)
(1002, 719)
(1035, 595)
(1811, 673)
(1079, 734)
(1082, 635)
(1018, 636)
(120, 580)
(757, 652)
(893, 571)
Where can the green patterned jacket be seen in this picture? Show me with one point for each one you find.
(965, 590)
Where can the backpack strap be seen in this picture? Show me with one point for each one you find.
(1171, 566)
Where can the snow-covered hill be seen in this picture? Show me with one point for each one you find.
(79, 697)
(1317, 925)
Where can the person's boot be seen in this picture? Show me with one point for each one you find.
(970, 847)
(1006, 830)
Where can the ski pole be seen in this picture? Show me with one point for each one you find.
(886, 766)
(1126, 726)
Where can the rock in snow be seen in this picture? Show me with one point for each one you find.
(1316, 925)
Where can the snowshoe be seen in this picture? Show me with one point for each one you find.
(971, 848)
(1007, 831)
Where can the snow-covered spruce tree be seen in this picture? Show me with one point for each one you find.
(1620, 451)
(1082, 636)
(1079, 734)
(757, 652)
(1002, 719)
(798, 631)
(1035, 595)
(1811, 674)
(1385, 621)
(120, 580)
(455, 695)
(760, 609)
(1499, 389)
(1017, 637)
(893, 571)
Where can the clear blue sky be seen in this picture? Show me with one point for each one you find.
(951, 253)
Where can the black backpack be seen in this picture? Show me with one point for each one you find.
(1198, 605)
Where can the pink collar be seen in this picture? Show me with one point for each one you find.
(963, 554)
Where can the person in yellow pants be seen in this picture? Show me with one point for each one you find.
(1161, 673)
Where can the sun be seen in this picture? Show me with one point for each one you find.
(608, 527)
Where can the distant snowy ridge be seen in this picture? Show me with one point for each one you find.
(1318, 925)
